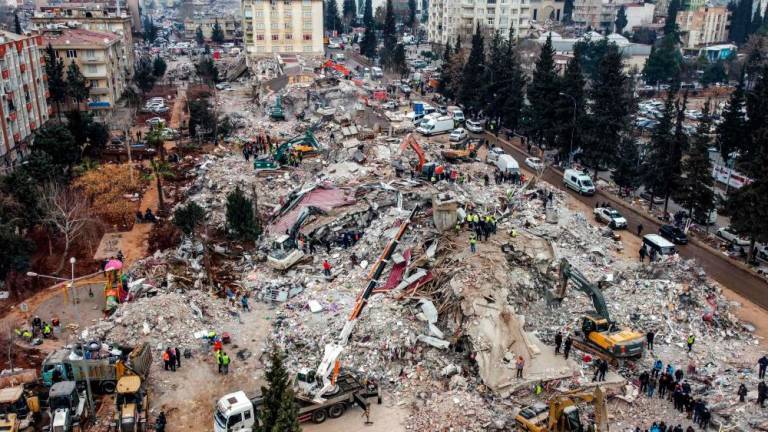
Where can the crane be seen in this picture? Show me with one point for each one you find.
(562, 414)
(410, 140)
(323, 381)
(600, 334)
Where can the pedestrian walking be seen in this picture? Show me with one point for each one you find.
(657, 365)
(244, 302)
(644, 378)
(172, 358)
(642, 253)
(690, 341)
(567, 347)
(166, 360)
(649, 338)
(762, 364)
(558, 342)
(603, 369)
(519, 365)
(742, 392)
(639, 230)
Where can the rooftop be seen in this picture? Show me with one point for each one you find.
(6, 36)
(80, 37)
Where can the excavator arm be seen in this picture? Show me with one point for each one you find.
(410, 140)
(558, 410)
(568, 272)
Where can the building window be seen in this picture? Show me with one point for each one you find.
(274, 26)
(94, 83)
(92, 69)
(90, 53)
(307, 49)
(71, 53)
(275, 37)
(490, 21)
(307, 36)
(307, 24)
(260, 37)
(288, 36)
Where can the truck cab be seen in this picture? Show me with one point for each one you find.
(15, 402)
(67, 406)
(236, 412)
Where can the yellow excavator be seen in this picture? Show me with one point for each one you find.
(599, 334)
(563, 415)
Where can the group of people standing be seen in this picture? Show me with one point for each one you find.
(171, 359)
(481, 226)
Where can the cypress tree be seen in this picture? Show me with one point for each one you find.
(621, 19)
(670, 24)
(572, 85)
(627, 174)
(659, 151)
(241, 222)
(332, 19)
(57, 87)
(472, 75)
(543, 90)
(274, 395)
(695, 191)
(730, 132)
(17, 24)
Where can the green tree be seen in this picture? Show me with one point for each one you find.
(611, 107)
(15, 253)
(753, 149)
(741, 21)
(332, 20)
(199, 37)
(275, 402)
(503, 83)
(568, 11)
(399, 65)
(368, 21)
(445, 77)
(207, 71)
(58, 143)
(411, 12)
(17, 25)
(57, 87)
(150, 30)
(161, 170)
(757, 22)
(543, 90)
(657, 177)
(159, 67)
(664, 63)
(201, 118)
(349, 12)
(188, 217)
(241, 220)
(570, 108)
(368, 44)
(695, 191)
(217, 33)
(472, 76)
(591, 54)
(628, 173)
(77, 87)
(670, 23)
(97, 137)
(747, 208)
(288, 417)
(714, 73)
(730, 132)
(390, 38)
(143, 76)
(621, 19)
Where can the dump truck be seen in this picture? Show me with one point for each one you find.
(67, 407)
(599, 334)
(72, 364)
(562, 414)
(238, 412)
(132, 405)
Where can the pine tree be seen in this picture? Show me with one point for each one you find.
(390, 37)
(568, 11)
(411, 12)
(673, 163)
(77, 87)
(572, 98)
(621, 19)
(757, 22)
(17, 25)
(143, 76)
(288, 416)
(369, 43)
(150, 30)
(217, 33)
(199, 37)
(748, 211)
(274, 394)
(399, 65)
(753, 150)
(664, 63)
(332, 19)
(543, 90)
(670, 24)
(655, 173)
(741, 21)
(608, 119)
(472, 74)
(627, 174)
(188, 217)
(241, 221)
(730, 132)
(349, 12)
(57, 87)
(514, 89)
(445, 76)
(457, 48)
(695, 191)
(368, 21)
(714, 73)
(159, 67)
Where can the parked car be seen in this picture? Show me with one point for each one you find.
(458, 134)
(155, 121)
(159, 109)
(729, 234)
(673, 234)
(494, 153)
(223, 86)
(405, 89)
(389, 105)
(762, 252)
(647, 196)
(169, 134)
(474, 126)
(613, 218)
(534, 163)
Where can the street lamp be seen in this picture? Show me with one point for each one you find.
(573, 128)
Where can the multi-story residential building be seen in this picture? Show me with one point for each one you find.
(88, 16)
(706, 25)
(227, 24)
(23, 93)
(598, 14)
(283, 26)
(449, 19)
(639, 15)
(116, 7)
(101, 59)
(547, 10)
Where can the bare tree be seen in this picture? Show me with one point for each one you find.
(66, 212)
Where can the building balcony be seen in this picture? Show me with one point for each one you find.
(99, 90)
(6, 74)
(99, 105)
(93, 60)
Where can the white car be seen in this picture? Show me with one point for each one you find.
(728, 233)
(610, 216)
(494, 153)
(154, 121)
(458, 134)
(474, 126)
(389, 105)
(534, 163)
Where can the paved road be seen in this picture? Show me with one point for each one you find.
(717, 266)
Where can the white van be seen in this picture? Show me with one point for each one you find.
(339, 57)
(507, 164)
(494, 153)
(579, 182)
(658, 243)
(376, 72)
(457, 114)
(434, 126)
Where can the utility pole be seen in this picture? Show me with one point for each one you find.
(76, 302)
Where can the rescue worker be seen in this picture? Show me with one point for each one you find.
(690, 341)
(558, 342)
(742, 392)
(225, 362)
(472, 243)
(47, 330)
(166, 360)
(326, 268)
(567, 347)
(217, 356)
(26, 334)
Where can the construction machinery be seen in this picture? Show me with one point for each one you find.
(466, 151)
(83, 362)
(327, 391)
(277, 112)
(599, 334)
(307, 144)
(19, 409)
(340, 68)
(285, 252)
(67, 407)
(562, 414)
(410, 141)
(132, 405)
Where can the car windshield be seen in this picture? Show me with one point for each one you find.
(586, 183)
(614, 214)
(221, 421)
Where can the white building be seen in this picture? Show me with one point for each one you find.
(639, 15)
(598, 14)
(283, 27)
(449, 19)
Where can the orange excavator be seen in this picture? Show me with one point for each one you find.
(410, 140)
(330, 64)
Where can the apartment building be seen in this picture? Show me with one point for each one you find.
(282, 27)
(100, 58)
(88, 16)
(23, 93)
(598, 14)
(449, 19)
(227, 24)
(706, 25)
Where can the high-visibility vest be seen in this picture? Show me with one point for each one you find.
(217, 355)
(46, 329)
(691, 339)
(225, 360)
(166, 356)
(27, 334)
